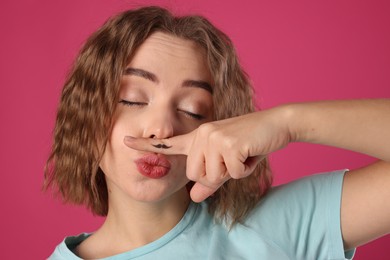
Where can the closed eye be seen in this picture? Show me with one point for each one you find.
(192, 115)
(132, 103)
(138, 104)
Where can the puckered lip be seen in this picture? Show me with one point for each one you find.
(153, 166)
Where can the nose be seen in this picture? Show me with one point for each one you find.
(159, 125)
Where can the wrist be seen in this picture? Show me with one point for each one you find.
(292, 116)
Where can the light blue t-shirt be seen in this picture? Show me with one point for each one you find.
(299, 220)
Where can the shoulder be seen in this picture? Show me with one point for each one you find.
(315, 189)
(314, 193)
(303, 217)
(65, 249)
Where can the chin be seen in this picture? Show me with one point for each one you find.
(155, 193)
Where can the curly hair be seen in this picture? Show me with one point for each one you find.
(90, 95)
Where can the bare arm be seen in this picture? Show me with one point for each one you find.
(365, 207)
(358, 125)
(362, 126)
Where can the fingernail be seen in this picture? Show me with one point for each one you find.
(129, 138)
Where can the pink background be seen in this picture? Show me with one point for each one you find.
(293, 50)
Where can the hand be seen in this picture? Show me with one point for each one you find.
(220, 150)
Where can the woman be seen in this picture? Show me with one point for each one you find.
(155, 101)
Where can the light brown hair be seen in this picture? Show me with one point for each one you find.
(90, 95)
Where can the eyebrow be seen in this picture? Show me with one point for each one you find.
(152, 77)
(141, 73)
(198, 84)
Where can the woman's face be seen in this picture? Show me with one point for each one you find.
(165, 91)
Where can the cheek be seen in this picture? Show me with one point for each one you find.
(181, 129)
(115, 150)
(180, 162)
(105, 161)
(124, 125)
(116, 162)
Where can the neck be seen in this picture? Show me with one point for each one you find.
(134, 224)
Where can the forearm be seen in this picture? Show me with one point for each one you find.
(358, 125)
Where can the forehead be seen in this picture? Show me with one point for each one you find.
(173, 45)
(162, 51)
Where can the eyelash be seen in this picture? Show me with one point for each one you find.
(131, 103)
(189, 114)
(192, 115)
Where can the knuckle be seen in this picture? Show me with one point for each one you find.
(236, 175)
(207, 129)
(214, 179)
(236, 171)
(192, 175)
(229, 143)
(214, 137)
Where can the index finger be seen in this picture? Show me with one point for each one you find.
(179, 144)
